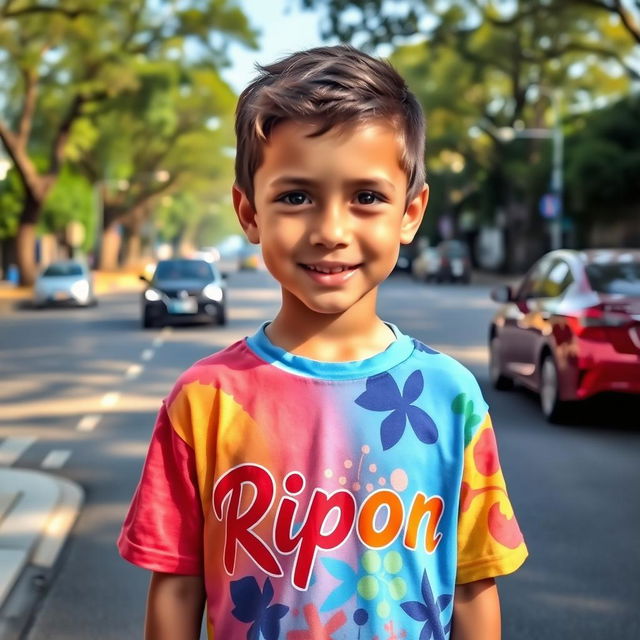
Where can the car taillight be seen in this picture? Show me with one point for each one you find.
(598, 317)
(591, 323)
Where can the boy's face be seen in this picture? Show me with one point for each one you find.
(330, 212)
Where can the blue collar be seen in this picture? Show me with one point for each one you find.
(398, 351)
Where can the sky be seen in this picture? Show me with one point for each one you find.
(284, 29)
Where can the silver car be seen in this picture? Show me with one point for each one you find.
(66, 282)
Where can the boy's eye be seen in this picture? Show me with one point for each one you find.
(367, 197)
(294, 198)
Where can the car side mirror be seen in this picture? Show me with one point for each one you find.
(502, 294)
(144, 279)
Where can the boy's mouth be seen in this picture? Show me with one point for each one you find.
(329, 267)
(330, 273)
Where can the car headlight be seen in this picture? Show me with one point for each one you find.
(80, 289)
(152, 295)
(213, 292)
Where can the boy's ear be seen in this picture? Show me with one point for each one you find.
(413, 215)
(246, 214)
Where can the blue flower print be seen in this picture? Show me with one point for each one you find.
(420, 346)
(252, 605)
(382, 394)
(429, 612)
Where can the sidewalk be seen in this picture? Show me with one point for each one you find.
(37, 512)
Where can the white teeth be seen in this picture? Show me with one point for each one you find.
(327, 270)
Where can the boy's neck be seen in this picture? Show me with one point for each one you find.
(355, 334)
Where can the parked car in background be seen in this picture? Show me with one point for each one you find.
(426, 265)
(66, 282)
(405, 258)
(455, 263)
(571, 329)
(184, 289)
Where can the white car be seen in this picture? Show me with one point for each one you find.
(426, 265)
(67, 282)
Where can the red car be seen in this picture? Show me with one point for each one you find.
(571, 329)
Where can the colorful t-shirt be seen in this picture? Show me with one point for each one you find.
(325, 500)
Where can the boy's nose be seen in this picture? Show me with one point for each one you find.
(332, 227)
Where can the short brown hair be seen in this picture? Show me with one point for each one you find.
(333, 86)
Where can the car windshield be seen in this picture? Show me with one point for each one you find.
(184, 270)
(55, 270)
(616, 277)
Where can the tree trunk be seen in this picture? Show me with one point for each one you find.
(134, 247)
(110, 249)
(26, 240)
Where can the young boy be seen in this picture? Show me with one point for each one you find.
(329, 476)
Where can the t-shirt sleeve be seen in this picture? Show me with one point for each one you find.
(163, 529)
(490, 542)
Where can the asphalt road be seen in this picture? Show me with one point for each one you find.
(87, 383)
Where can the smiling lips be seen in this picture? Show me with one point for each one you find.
(330, 273)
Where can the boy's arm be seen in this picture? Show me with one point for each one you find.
(476, 611)
(174, 607)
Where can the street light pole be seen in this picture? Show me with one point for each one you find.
(557, 181)
(557, 177)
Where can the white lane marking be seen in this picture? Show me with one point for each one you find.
(133, 371)
(158, 342)
(147, 354)
(56, 459)
(89, 423)
(12, 448)
(110, 399)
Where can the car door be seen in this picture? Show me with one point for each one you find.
(541, 310)
(519, 321)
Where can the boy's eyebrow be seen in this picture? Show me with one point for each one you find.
(299, 181)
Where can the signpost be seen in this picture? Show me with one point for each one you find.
(549, 206)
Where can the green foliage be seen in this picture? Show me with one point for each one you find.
(71, 200)
(11, 196)
(603, 162)
(121, 90)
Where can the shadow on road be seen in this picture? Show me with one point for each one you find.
(610, 412)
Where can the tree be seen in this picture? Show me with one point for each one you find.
(165, 138)
(64, 60)
(603, 163)
(628, 11)
(484, 66)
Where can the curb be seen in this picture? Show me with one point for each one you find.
(37, 513)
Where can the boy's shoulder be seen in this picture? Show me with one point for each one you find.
(449, 377)
(438, 362)
(213, 370)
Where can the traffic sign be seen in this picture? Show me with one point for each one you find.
(549, 206)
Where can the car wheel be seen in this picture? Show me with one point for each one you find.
(498, 379)
(553, 408)
(147, 321)
(221, 316)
